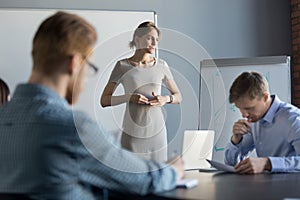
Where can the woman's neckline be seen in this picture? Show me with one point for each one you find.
(139, 64)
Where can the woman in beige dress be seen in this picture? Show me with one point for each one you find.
(142, 76)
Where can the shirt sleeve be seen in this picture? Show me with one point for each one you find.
(106, 165)
(289, 163)
(116, 73)
(231, 153)
(235, 153)
(285, 164)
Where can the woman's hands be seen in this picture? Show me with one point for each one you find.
(139, 99)
(157, 100)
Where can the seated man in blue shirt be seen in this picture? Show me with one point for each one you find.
(270, 126)
(49, 151)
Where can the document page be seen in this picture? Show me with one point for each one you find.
(221, 166)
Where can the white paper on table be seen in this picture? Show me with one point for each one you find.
(187, 183)
(221, 166)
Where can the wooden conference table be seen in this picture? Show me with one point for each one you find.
(223, 186)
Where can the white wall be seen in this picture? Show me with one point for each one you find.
(213, 28)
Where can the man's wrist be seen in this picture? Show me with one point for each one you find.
(236, 139)
(268, 165)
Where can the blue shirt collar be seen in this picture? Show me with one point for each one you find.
(30, 90)
(272, 110)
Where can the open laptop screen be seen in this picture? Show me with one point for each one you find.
(197, 147)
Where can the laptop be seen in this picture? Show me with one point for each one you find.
(197, 147)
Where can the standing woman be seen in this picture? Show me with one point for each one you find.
(4, 92)
(142, 76)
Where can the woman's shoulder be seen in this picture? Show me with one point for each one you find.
(123, 61)
(162, 62)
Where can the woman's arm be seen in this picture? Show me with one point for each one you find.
(107, 98)
(175, 92)
(174, 98)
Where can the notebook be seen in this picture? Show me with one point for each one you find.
(197, 147)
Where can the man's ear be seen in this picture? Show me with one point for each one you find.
(74, 63)
(266, 96)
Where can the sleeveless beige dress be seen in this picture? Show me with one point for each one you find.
(144, 129)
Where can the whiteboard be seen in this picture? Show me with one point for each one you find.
(217, 76)
(115, 30)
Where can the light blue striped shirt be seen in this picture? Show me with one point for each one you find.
(276, 136)
(51, 152)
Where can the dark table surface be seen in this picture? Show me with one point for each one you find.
(223, 186)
